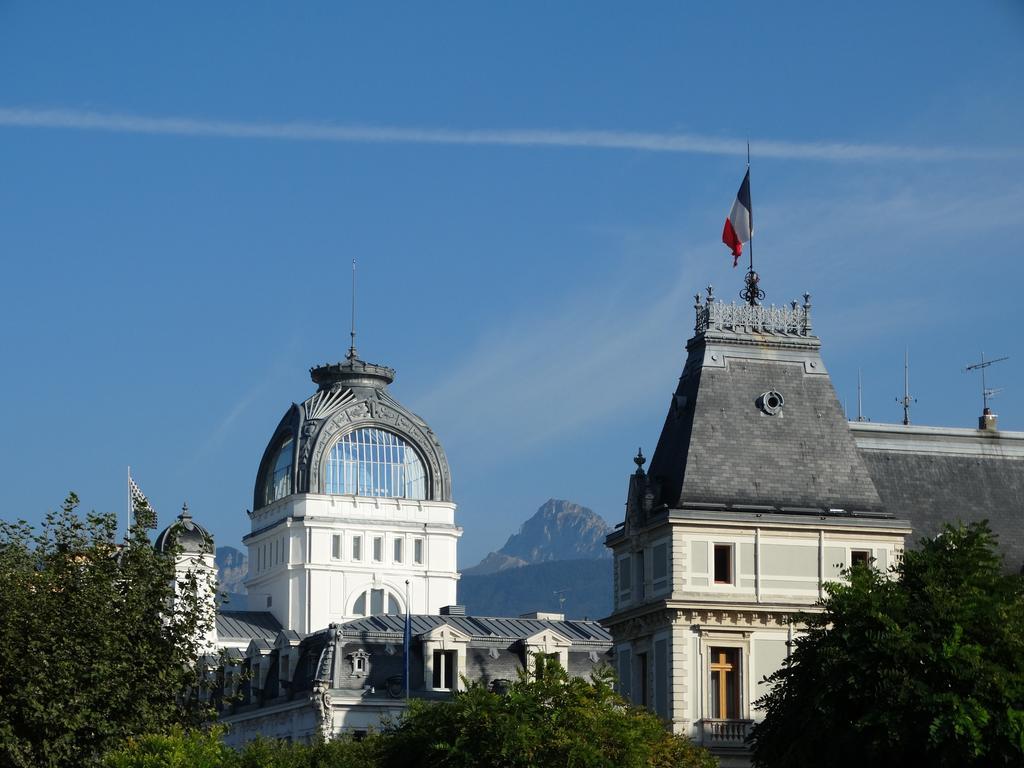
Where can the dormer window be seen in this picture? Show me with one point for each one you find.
(279, 481)
(375, 462)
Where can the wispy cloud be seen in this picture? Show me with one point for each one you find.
(687, 143)
(542, 377)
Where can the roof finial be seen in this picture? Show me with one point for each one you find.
(352, 354)
(639, 460)
(185, 514)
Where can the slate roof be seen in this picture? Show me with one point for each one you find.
(247, 625)
(718, 447)
(478, 627)
(932, 476)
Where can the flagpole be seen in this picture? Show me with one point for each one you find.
(751, 213)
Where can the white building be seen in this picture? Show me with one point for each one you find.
(352, 509)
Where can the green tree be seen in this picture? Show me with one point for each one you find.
(550, 720)
(924, 665)
(90, 653)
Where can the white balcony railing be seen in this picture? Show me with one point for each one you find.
(725, 733)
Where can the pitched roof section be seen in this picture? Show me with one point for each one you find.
(477, 627)
(932, 476)
(755, 423)
(247, 625)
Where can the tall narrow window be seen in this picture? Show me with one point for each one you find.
(659, 567)
(417, 551)
(336, 546)
(279, 480)
(357, 548)
(625, 578)
(723, 563)
(641, 575)
(725, 683)
(375, 462)
(398, 550)
(444, 670)
(376, 602)
(378, 548)
(643, 674)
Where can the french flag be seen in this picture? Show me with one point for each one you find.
(739, 226)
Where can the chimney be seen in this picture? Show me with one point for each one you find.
(988, 421)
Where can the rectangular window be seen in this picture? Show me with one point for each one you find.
(725, 683)
(417, 551)
(723, 563)
(336, 546)
(860, 557)
(625, 660)
(398, 550)
(357, 548)
(642, 674)
(378, 548)
(659, 568)
(376, 602)
(662, 677)
(641, 576)
(444, 670)
(625, 578)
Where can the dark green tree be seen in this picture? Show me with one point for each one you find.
(548, 719)
(90, 652)
(923, 665)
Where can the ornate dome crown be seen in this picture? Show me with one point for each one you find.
(352, 438)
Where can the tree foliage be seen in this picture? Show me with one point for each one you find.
(89, 651)
(924, 665)
(553, 720)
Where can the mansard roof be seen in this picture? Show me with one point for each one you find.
(755, 423)
(935, 475)
(391, 626)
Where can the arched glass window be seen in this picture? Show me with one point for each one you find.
(375, 462)
(377, 598)
(279, 480)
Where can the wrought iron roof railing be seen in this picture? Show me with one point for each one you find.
(791, 320)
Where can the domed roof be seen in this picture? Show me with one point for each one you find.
(351, 395)
(187, 534)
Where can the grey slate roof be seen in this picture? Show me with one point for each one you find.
(247, 625)
(932, 476)
(719, 448)
(478, 627)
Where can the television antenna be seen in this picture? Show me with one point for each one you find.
(986, 393)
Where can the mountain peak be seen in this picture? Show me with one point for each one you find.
(559, 530)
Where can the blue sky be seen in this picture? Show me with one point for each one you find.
(533, 191)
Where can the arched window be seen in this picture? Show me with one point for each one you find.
(377, 599)
(279, 479)
(375, 462)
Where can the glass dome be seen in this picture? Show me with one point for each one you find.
(375, 462)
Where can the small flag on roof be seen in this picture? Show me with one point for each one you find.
(142, 512)
(739, 226)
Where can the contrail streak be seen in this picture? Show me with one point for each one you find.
(585, 139)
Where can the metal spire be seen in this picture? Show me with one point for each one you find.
(352, 355)
(860, 400)
(906, 400)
